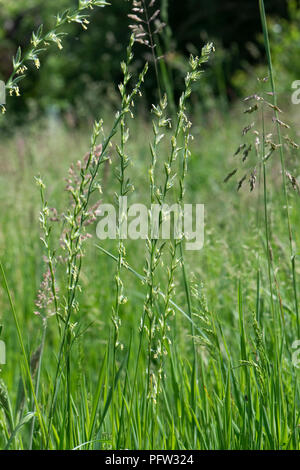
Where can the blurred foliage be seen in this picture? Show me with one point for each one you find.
(81, 79)
(285, 35)
(285, 44)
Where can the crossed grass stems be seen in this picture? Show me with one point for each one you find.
(154, 320)
(157, 326)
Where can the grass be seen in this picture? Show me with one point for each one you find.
(140, 345)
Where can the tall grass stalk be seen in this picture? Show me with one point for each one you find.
(282, 159)
(26, 363)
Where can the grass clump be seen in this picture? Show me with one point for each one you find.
(128, 349)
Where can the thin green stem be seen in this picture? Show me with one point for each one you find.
(26, 363)
(282, 160)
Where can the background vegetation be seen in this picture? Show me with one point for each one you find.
(211, 367)
(76, 85)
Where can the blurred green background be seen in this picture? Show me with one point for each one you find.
(75, 88)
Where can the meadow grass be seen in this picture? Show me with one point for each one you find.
(143, 345)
